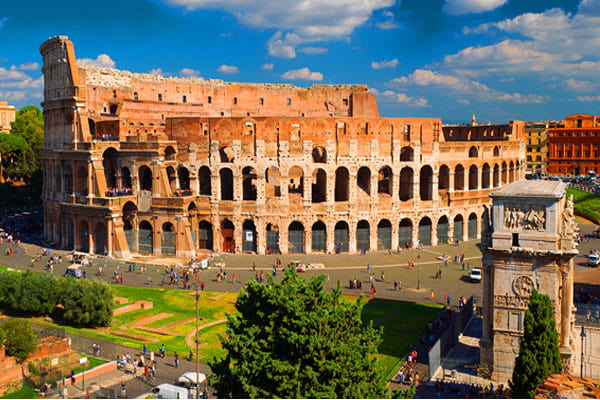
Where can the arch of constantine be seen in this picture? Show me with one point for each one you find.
(136, 163)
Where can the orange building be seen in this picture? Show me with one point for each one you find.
(140, 164)
(574, 149)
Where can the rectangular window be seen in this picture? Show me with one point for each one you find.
(235, 100)
(515, 240)
(261, 101)
(209, 100)
(289, 102)
(184, 99)
(345, 102)
(159, 97)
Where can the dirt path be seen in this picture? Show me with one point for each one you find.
(189, 339)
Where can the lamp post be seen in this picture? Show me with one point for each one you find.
(583, 335)
(418, 281)
(197, 344)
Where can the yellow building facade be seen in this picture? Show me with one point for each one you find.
(7, 115)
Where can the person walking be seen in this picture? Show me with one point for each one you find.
(176, 360)
(432, 294)
(145, 349)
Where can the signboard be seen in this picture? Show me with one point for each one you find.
(83, 360)
(249, 236)
(54, 362)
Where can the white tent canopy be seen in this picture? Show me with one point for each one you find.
(189, 378)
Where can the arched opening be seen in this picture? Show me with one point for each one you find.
(70, 236)
(406, 183)
(473, 226)
(442, 230)
(109, 162)
(272, 238)
(249, 236)
(485, 176)
(473, 153)
(81, 186)
(511, 172)
(205, 235)
(504, 177)
(342, 184)
(384, 181)
(167, 239)
(473, 179)
(296, 183)
(172, 177)
(145, 242)
(425, 232)
(426, 183)
(169, 153)
(129, 222)
(319, 155)
(226, 154)
(459, 177)
(458, 228)
(341, 236)
(496, 151)
(444, 178)
(296, 237)
(84, 237)
(67, 179)
(227, 231)
(496, 177)
(384, 235)
(101, 239)
(363, 180)
(226, 176)
(405, 233)
(363, 236)
(319, 237)
(192, 216)
(145, 177)
(319, 186)
(249, 184)
(204, 178)
(485, 220)
(125, 178)
(272, 182)
(407, 154)
(184, 180)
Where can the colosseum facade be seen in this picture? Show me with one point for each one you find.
(141, 164)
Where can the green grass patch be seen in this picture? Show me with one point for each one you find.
(26, 392)
(585, 204)
(92, 363)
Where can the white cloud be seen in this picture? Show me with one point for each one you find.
(228, 69)
(267, 67)
(461, 7)
(588, 99)
(156, 71)
(303, 74)
(103, 60)
(388, 22)
(311, 21)
(390, 96)
(580, 85)
(18, 86)
(521, 99)
(464, 101)
(384, 64)
(424, 77)
(313, 50)
(189, 73)
(29, 66)
(282, 46)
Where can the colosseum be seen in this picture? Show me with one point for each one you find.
(137, 164)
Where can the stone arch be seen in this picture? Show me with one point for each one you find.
(109, 163)
(226, 154)
(168, 239)
(496, 151)
(504, 174)
(407, 154)
(342, 184)
(227, 233)
(442, 230)
(249, 184)
(249, 236)
(101, 238)
(129, 224)
(426, 183)
(67, 179)
(226, 177)
(485, 176)
(319, 186)
(496, 176)
(384, 235)
(459, 177)
(296, 237)
(406, 183)
(511, 172)
(205, 235)
(425, 231)
(459, 230)
(405, 233)
(172, 177)
(84, 236)
(444, 178)
(296, 182)
(126, 178)
(272, 238)
(363, 181)
(472, 226)
(473, 178)
(272, 182)
(341, 235)
(145, 238)
(473, 153)
(319, 154)
(145, 178)
(319, 237)
(204, 178)
(363, 236)
(183, 174)
(170, 153)
(81, 185)
(384, 181)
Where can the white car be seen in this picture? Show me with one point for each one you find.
(475, 275)
(594, 260)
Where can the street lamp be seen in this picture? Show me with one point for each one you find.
(197, 344)
(418, 281)
(583, 335)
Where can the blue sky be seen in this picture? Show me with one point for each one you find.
(500, 59)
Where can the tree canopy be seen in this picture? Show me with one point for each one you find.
(293, 339)
(539, 354)
(20, 339)
(20, 149)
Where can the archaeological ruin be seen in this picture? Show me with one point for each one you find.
(140, 164)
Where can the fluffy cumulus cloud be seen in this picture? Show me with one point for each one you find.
(390, 96)
(228, 69)
(16, 85)
(588, 99)
(313, 50)
(267, 67)
(461, 7)
(304, 74)
(384, 64)
(103, 60)
(189, 73)
(156, 71)
(387, 21)
(580, 85)
(309, 21)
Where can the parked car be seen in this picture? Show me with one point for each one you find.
(475, 275)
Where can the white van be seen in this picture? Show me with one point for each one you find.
(168, 391)
(593, 260)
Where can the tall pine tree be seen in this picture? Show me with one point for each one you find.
(539, 354)
(293, 339)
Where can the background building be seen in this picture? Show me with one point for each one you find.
(136, 163)
(7, 115)
(573, 150)
(536, 137)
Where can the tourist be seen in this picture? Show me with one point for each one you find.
(191, 355)
(432, 294)
(395, 286)
(176, 356)
(382, 276)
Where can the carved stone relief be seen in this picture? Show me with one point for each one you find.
(525, 216)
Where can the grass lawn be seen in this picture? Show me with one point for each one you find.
(27, 392)
(92, 363)
(585, 204)
(402, 323)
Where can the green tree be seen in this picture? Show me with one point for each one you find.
(539, 354)
(293, 339)
(29, 126)
(33, 294)
(20, 339)
(86, 303)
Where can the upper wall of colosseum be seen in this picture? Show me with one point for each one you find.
(513, 130)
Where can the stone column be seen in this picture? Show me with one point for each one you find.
(217, 235)
(91, 239)
(451, 181)
(307, 239)
(566, 309)
(374, 194)
(307, 191)
(330, 235)
(373, 242)
(283, 239)
(434, 238)
(416, 189)
(261, 232)
(110, 235)
(395, 234)
(415, 232)
(352, 236)
(156, 237)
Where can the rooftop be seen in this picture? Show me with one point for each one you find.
(533, 188)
